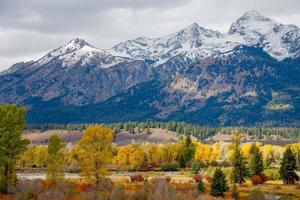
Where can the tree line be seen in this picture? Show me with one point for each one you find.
(181, 128)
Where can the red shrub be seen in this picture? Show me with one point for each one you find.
(156, 165)
(263, 177)
(136, 178)
(82, 187)
(208, 179)
(256, 180)
(168, 179)
(197, 177)
(145, 169)
(47, 184)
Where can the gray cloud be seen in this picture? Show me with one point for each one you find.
(29, 28)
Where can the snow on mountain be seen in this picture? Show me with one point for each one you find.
(195, 42)
(79, 52)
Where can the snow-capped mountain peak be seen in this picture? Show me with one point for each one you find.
(195, 42)
(78, 42)
(252, 26)
(78, 52)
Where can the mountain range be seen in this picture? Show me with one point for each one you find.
(247, 76)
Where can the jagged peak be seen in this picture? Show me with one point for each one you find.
(252, 13)
(78, 42)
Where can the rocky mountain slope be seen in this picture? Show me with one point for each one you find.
(248, 76)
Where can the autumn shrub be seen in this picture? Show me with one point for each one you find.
(26, 195)
(118, 192)
(169, 166)
(82, 187)
(196, 167)
(168, 179)
(208, 178)
(106, 184)
(272, 174)
(263, 177)
(24, 187)
(197, 177)
(256, 180)
(136, 178)
(277, 187)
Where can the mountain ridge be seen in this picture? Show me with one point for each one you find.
(247, 76)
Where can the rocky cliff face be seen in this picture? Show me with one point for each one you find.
(247, 76)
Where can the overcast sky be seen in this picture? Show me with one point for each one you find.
(31, 28)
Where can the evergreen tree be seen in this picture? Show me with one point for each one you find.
(201, 187)
(55, 161)
(287, 168)
(256, 164)
(12, 122)
(238, 162)
(218, 183)
(188, 152)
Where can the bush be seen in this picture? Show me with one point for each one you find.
(169, 166)
(263, 177)
(197, 177)
(118, 192)
(82, 187)
(168, 179)
(208, 178)
(196, 167)
(272, 174)
(136, 178)
(256, 180)
(259, 179)
(26, 195)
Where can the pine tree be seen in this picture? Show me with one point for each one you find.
(55, 161)
(287, 168)
(187, 153)
(256, 164)
(12, 122)
(201, 187)
(218, 183)
(238, 162)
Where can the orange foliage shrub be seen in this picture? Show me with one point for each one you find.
(82, 187)
(256, 180)
(208, 178)
(259, 179)
(168, 179)
(136, 178)
(197, 177)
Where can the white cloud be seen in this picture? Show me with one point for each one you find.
(29, 28)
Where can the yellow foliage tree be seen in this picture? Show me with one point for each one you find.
(137, 157)
(203, 152)
(122, 157)
(94, 152)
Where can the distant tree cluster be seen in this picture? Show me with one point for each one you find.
(181, 128)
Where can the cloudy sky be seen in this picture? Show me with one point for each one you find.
(31, 28)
